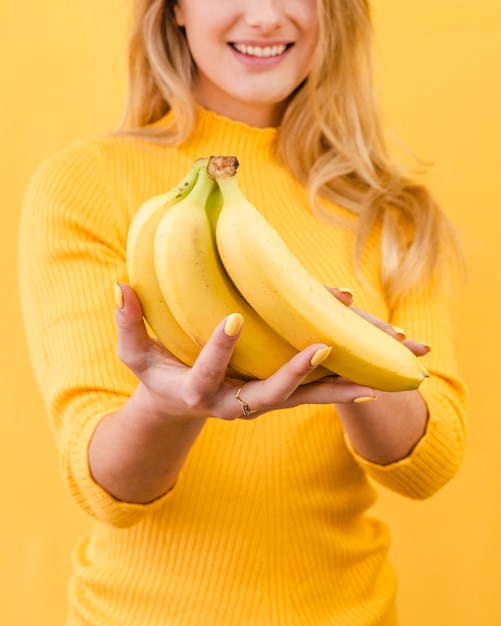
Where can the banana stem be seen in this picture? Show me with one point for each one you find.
(222, 166)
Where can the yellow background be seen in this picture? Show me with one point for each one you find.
(62, 78)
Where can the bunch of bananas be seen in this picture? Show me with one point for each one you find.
(202, 251)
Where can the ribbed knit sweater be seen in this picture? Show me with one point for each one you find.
(267, 524)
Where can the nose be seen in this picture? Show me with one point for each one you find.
(264, 15)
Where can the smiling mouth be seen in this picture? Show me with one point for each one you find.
(261, 51)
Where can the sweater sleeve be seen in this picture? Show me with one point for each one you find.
(438, 455)
(72, 243)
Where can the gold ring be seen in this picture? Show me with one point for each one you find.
(245, 406)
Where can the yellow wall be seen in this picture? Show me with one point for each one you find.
(62, 78)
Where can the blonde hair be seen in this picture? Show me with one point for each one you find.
(333, 116)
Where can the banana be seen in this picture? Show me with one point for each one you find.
(200, 294)
(294, 303)
(141, 268)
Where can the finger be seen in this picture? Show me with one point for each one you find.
(331, 390)
(254, 401)
(394, 331)
(284, 389)
(417, 347)
(209, 370)
(281, 385)
(133, 339)
(209, 373)
(343, 294)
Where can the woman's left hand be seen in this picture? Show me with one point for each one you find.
(388, 429)
(346, 297)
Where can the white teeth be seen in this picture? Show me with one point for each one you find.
(260, 51)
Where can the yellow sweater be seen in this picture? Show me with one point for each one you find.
(267, 522)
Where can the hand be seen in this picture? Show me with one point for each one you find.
(176, 391)
(346, 297)
(387, 430)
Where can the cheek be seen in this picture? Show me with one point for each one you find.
(311, 28)
(307, 13)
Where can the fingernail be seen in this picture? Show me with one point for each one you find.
(401, 333)
(119, 296)
(362, 399)
(320, 355)
(427, 346)
(346, 290)
(233, 324)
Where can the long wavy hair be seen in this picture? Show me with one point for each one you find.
(335, 119)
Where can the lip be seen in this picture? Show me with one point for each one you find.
(269, 53)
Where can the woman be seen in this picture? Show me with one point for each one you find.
(201, 515)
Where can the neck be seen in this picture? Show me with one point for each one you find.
(256, 115)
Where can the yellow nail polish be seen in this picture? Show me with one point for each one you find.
(233, 324)
(119, 297)
(399, 331)
(320, 355)
(362, 399)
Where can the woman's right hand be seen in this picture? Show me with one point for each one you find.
(204, 389)
(137, 452)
